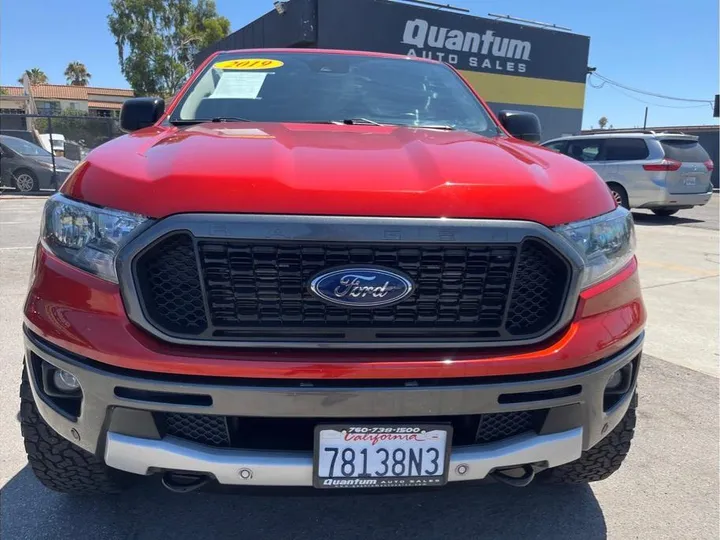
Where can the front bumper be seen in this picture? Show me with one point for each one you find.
(116, 414)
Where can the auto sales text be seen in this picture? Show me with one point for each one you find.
(500, 54)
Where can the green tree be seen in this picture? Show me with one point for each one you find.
(602, 122)
(77, 74)
(157, 40)
(36, 76)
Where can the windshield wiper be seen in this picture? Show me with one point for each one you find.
(229, 119)
(186, 122)
(357, 122)
(431, 126)
(181, 122)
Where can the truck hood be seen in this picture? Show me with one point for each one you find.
(324, 169)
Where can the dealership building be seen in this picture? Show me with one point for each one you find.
(511, 65)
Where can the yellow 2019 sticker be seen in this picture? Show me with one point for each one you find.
(249, 64)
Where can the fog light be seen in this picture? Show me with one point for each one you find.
(65, 381)
(615, 381)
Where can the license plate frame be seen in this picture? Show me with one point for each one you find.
(690, 181)
(382, 482)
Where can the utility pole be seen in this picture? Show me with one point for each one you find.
(645, 121)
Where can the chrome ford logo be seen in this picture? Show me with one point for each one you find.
(361, 286)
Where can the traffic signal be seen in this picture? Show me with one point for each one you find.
(716, 109)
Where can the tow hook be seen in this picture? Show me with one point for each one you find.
(178, 482)
(528, 475)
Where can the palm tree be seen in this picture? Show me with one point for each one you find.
(77, 74)
(36, 76)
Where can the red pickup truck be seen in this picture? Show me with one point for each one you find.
(334, 270)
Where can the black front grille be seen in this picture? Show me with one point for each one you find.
(203, 428)
(266, 285)
(259, 291)
(170, 284)
(538, 292)
(298, 433)
(498, 426)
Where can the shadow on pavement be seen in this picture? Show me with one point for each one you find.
(653, 220)
(149, 511)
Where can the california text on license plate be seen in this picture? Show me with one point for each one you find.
(367, 456)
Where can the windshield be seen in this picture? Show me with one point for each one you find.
(325, 87)
(684, 150)
(24, 148)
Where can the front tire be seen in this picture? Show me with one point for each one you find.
(602, 460)
(664, 212)
(58, 463)
(25, 181)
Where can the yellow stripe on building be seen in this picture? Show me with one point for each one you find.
(527, 90)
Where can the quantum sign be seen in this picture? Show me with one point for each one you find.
(489, 51)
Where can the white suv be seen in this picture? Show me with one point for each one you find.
(664, 172)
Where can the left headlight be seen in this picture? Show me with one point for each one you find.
(606, 243)
(87, 236)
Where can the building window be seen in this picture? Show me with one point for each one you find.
(71, 106)
(48, 107)
(105, 113)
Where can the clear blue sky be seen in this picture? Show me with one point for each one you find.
(663, 46)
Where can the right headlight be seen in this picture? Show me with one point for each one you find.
(606, 243)
(87, 236)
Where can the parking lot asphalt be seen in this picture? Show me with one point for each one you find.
(667, 488)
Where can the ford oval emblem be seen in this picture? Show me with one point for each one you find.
(364, 286)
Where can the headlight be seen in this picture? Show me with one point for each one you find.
(45, 164)
(606, 243)
(87, 236)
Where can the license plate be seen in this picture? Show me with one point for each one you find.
(690, 180)
(376, 456)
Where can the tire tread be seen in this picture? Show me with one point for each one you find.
(601, 461)
(59, 464)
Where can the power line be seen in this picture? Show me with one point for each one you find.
(644, 92)
(655, 104)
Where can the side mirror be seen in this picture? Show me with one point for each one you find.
(138, 113)
(522, 125)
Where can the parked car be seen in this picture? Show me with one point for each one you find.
(28, 167)
(664, 172)
(20, 134)
(335, 270)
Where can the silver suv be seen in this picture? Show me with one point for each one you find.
(664, 172)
